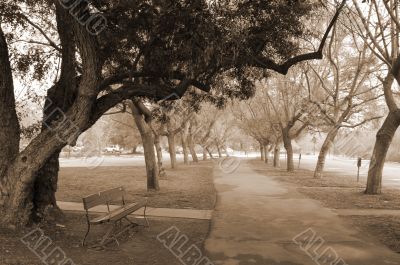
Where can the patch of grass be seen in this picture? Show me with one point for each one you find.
(188, 186)
(333, 190)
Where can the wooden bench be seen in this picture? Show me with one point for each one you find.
(112, 217)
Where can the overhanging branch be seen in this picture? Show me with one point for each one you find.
(266, 63)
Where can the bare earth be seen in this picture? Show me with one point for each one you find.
(186, 187)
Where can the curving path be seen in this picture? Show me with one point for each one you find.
(256, 219)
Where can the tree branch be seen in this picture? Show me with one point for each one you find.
(267, 63)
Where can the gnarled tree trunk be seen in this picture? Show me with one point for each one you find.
(384, 138)
(59, 98)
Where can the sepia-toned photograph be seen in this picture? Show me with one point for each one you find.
(199, 132)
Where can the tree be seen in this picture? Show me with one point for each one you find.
(378, 24)
(122, 130)
(139, 54)
(341, 89)
(287, 102)
(143, 119)
(256, 119)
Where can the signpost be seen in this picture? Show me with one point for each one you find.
(359, 163)
(299, 159)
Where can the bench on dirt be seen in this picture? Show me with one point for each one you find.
(113, 217)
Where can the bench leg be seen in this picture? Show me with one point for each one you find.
(87, 233)
(144, 216)
(107, 236)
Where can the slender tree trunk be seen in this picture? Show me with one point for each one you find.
(148, 147)
(192, 148)
(219, 151)
(185, 142)
(266, 154)
(262, 152)
(172, 149)
(209, 152)
(384, 138)
(226, 151)
(204, 154)
(287, 143)
(161, 170)
(277, 160)
(326, 146)
(185, 150)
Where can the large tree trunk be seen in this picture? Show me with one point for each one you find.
(148, 147)
(384, 138)
(318, 173)
(9, 129)
(60, 97)
(45, 187)
(161, 170)
(17, 184)
(172, 149)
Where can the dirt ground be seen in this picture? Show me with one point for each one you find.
(138, 246)
(344, 192)
(186, 187)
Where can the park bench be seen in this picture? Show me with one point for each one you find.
(113, 217)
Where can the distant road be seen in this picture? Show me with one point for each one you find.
(339, 165)
(348, 166)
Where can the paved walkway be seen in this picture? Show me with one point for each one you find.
(256, 219)
(361, 212)
(150, 212)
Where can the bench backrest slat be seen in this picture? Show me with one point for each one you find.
(113, 194)
(103, 197)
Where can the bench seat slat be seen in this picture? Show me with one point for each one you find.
(119, 213)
